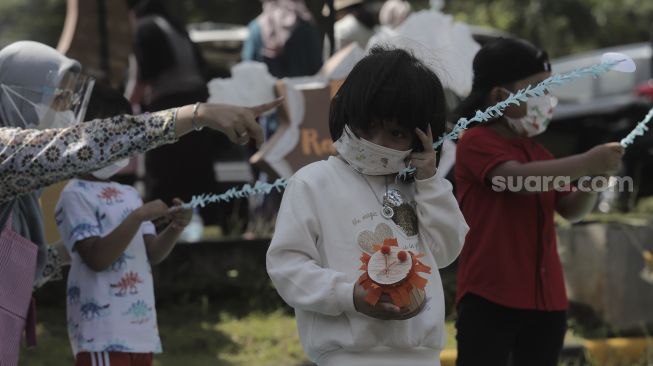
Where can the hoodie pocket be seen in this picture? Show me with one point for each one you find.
(328, 334)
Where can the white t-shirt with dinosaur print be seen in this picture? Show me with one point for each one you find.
(112, 310)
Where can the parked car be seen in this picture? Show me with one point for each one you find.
(597, 110)
(221, 43)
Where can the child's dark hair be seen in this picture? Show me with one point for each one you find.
(389, 85)
(501, 62)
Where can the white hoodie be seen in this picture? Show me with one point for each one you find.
(328, 211)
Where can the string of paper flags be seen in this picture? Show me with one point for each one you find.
(609, 61)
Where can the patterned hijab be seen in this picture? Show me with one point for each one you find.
(278, 20)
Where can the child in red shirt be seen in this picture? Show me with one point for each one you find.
(511, 298)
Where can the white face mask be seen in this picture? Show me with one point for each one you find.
(109, 170)
(537, 118)
(368, 157)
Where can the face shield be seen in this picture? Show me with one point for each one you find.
(40, 87)
(60, 103)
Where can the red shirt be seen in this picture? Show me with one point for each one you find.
(510, 255)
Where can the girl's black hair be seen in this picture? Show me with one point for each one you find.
(389, 85)
(501, 62)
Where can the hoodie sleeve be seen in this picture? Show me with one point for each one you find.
(33, 159)
(294, 262)
(442, 227)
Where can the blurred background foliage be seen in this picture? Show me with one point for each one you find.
(561, 26)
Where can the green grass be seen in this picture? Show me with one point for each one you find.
(191, 336)
(262, 339)
(195, 335)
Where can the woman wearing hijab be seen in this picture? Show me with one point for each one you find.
(285, 38)
(40, 88)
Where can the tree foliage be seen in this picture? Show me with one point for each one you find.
(560, 26)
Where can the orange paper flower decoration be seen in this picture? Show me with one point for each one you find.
(399, 292)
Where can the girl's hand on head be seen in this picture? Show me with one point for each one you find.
(180, 217)
(425, 161)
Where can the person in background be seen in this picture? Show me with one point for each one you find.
(353, 23)
(284, 37)
(393, 13)
(107, 231)
(171, 73)
(107, 102)
(511, 298)
(171, 68)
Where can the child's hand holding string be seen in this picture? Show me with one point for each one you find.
(152, 210)
(180, 217)
(425, 161)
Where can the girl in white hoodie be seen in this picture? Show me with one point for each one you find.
(383, 118)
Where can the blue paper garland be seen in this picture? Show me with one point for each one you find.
(246, 191)
(481, 117)
(638, 130)
(521, 95)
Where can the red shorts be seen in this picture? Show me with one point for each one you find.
(113, 359)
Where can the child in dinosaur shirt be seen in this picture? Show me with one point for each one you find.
(110, 299)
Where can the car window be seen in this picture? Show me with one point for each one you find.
(581, 90)
(609, 84)
(614, 83)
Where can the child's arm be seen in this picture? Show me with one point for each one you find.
(159, 247)
(62, 252)
(576, 205)
(598, 160)
(98, 253)
(294, 263)
(442, 227)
